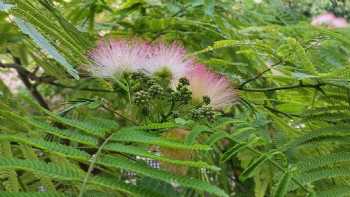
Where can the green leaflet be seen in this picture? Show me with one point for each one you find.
(144, 153)
(44, 44)
(336, 191)
(217, 136)
(143, 169)
(195, 132)
(282, 186)
(319, 174)
(322, 161)
(42, 126)
(76, 36)
(115, 184)
(46, 19)
(164, 125)
(251, 169)
(48, 146)
(294, 52)
(209, 7)
(134, 135)
(97, 127)
(10, 177)
(70, 174)
(109, 161)
(5, 6)
(218, 45)
(234, 150)
(49, 170)
(29, 153)
(318, 134)
(32, 194)
(73, 135)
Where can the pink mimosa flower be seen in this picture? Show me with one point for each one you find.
(170, 58)
(111, 58)
(206, 83)
(323, 19)
(329, 20)
(340, 23)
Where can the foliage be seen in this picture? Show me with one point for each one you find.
(68, 133)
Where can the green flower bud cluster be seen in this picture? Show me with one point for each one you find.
(145, 88)
(203, 112)
(141, 97)
(182, 94)
(154, 89)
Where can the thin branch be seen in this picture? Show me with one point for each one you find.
(120, 115)
(25, 77)
(288, 115)
(300, 85)
(260, 74)
(93, 160)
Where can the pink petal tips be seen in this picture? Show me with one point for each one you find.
(206, 83)
(111, 58)
(328, 19)
(171, 58)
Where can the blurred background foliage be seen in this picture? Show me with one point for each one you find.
(287, 136)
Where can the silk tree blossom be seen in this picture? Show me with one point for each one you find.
(206, 83)
(112, 58)
(330, 20)
(340, 23)
(169, 59)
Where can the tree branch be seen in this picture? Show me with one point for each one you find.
(259, 75)
(288, 115)
(300, 85)
(25, 77)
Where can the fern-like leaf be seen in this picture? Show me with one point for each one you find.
(145, 170)
(141, 152)
(67, 173)
(59, 149)
(336, 191)
(134, 135)
(32, 194)
(322, 161)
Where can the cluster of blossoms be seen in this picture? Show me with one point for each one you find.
(328, 19)
(114, 57)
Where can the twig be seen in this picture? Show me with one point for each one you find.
(300, 85)
(119, 114)
(92, 164)
(25, 75)
(288, 115)
(259, 75)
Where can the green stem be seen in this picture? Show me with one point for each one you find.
(92, 165)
